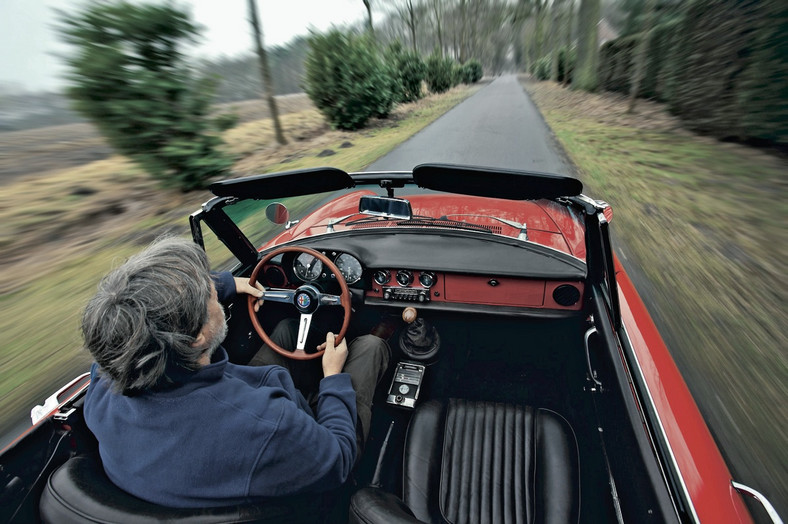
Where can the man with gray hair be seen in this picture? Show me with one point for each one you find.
(179, 425)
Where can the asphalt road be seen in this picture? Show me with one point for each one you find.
(497, 127)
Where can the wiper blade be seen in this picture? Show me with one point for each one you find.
(444, 223)
(522, 227)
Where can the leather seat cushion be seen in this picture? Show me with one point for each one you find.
(79, 491)
(476, 462)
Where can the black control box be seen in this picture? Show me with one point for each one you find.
(406, 384)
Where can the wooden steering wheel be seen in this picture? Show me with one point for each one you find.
(306, 299)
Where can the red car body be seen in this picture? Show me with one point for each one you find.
(472, 213)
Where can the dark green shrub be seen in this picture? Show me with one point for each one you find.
(472, 72)
(346, 80)
(226, 121)
(409, 73)
(440, 73)
(542, 68)
(457, 73)
(566, 63)
(131, 80)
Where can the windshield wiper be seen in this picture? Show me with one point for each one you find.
(444, 223)
(511, 223)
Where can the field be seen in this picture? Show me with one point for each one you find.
(703, 229)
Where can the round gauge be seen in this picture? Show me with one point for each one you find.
(307, 267)
(350, 267)
(274, 276)
(404, 277)
(427, 278)
(382, 277)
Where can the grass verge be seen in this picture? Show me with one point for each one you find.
(65, 231)
(704, 222)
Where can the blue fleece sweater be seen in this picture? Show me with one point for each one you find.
(224, 435)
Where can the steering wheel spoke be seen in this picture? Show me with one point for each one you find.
(285, 296)
(303, 330)
(330, 300)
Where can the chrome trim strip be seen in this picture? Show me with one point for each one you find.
(52, 402)
(741, 488)
(591, 372)
(661, 427)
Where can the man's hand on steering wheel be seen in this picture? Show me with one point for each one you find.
(242, 285)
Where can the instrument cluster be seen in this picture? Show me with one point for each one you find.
(309, 268)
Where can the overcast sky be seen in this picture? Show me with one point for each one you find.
(29, 44)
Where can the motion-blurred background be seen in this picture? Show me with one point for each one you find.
(675, 111)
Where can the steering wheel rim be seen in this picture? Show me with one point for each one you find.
(311, 293)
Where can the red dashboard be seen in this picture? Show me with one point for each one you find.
(428, 286)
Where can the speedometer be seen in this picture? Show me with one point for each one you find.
(350, 267)
(307, 267)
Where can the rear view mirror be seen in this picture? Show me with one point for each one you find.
(385, 207)
(277, 213)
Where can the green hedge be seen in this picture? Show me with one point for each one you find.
(722, 67)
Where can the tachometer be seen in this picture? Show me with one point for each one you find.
(307, 267)
(350, 267)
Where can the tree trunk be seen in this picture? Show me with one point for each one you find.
(555, 37)
(567, 42)
(586, 75)
(412, 23)
(268, 84)
(641, 55)
(437, 10)
(370, 27)
(463, 31)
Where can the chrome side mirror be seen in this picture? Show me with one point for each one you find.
(277, 213)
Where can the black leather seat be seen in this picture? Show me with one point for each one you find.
(79, 491)
(480, 462)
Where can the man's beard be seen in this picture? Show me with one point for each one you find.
(217, 335)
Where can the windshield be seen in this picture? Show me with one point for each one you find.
(331, 212)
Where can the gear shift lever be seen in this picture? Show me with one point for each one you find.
(419, 340)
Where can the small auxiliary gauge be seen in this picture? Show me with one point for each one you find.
(382, 277)
(427, 278)
(404, 277)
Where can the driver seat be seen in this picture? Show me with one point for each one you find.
(79, 491)
(481, 462)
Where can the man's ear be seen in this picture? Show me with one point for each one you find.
(199, 340)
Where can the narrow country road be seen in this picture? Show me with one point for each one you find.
(497, 127)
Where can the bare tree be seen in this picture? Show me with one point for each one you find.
(268, 84)
(437, 12)
(408, 13)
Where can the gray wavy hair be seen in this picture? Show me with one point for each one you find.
(142, 322)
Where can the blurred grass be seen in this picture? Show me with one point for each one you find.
(704, 222)
(63, 230)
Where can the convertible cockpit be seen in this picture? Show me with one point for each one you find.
(514, 391)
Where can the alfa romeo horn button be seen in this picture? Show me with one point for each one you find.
(303, 300)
